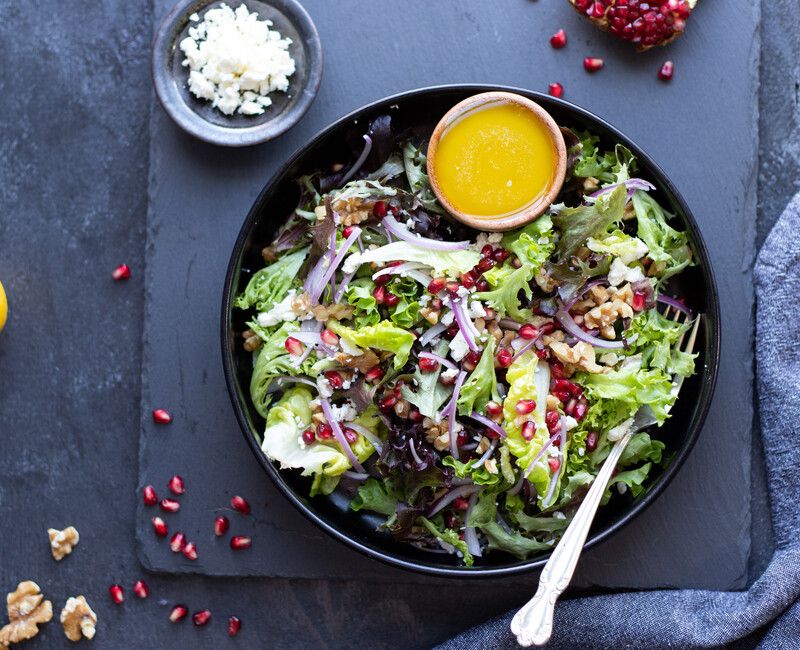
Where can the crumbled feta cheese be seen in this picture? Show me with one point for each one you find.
(410, 223)
(447, 318)
(236, 60)
(324, 387)
(476, 309)
(349, 348)
(344, 413)
(458, 347)
(619, 273)
(424, 299)
(449, 374)
(581, 451)
(280, 312)
(462, 292)
(609, 359)
(351, 263)
(570, 422)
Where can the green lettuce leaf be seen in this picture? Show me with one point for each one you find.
(481, 385)
(406, 313)
(359, 294)
(633, 478)
(507, 283)
(415, 163)
(427, 393)
(484, 516)
(383, 336)
(669, 248)
(272, 360)
(656, 339)
(607, 167)
(442, 262)
(271, 284)
(480, 476)
(372, 495)
(448, 536)
(641, 448)
(532, 244)
(628, 249)
(578, 224)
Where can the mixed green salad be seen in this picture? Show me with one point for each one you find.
(464, 384)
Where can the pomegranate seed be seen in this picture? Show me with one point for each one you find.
(556, 368)
(452, 330)
(161, 416)
(473, 357)
(348, 230)
(666, 70)
(598, 9)
(379, 293)
(568, 387)
(569, 409)
(415, 416)
(452, 288)
(221, 525)
(391, 299)
(461, 438)
(525, 406)
(170, 505)
(482, 284)
(293, 346)
(116, 593)
(436, 304)
(556, 89)
(178, 613)
(559, 39)
(493, 409)
(491, 434)
(542, 354)
(450, 520)
(374, 374)
(461, 503)
(159, 526)
(528, 430)
(122, 272)
(190, 551)
(177, 543)
(202, 617)
(554, 463)
(309, 436)
(500, 254)
(382, 280)
(504, 357)
(469, 279)
(149, 495)
(324, 431)
(487, 250)
(387, 402)
(379, 209)
(639, 300)
(394, 210)
(239, 542)
(592, 64)
(436, 285)
(547, 328)
(240, 505)
(350, 435)
(591, 441)
(580, 410)
(426, 364)
(528, 332)
(177, 485)
(447, 380)
(551, 419)
(485, 264)
(334, 379)
(234, 625)
(141, 589)
(329, 337)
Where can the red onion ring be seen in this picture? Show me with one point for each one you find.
(401, 232)
(339, 435)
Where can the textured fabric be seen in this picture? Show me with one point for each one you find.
(710, 619)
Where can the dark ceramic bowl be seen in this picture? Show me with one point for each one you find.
(420, 110)
(198, 117)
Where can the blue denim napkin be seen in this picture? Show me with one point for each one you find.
(710, 619)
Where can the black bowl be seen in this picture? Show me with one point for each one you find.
(420, 110)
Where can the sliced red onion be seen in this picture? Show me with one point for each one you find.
(528, 345)
(486, 455)
(316, 291)
(464, 324)
(414, 454)
(510, 324)
(343, 286)
(571, 327)
(675, 303)
(310, 325)
(356, 476)
(313, 339)
(517, 487)
(339, 435)
(276, 383)
(553, 483)
(580, 293)
(400, 269)
(401, 232)
(470, 534)
(451, 496)
(373, 439)
(445, 362)
(431, 334)
(452, 415)
(359, 162)
(544, 448)
(632, 184)
(541, 379)
(332, 254)
(489, 423)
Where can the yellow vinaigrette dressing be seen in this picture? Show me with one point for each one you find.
(495, 161)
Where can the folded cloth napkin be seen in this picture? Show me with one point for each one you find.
(769, 611)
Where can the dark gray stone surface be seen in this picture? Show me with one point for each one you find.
(73, 182)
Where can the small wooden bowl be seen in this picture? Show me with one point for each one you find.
(529, 212)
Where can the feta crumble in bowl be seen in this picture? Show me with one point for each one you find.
(237, 73)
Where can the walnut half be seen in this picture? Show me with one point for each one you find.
(78, 619)
(62, 541)
(26, 611)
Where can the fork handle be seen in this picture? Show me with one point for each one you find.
(533, 624)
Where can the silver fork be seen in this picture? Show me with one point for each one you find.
(533, 624)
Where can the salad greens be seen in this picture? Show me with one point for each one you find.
(465, 386)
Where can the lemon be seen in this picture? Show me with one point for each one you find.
(3, 306)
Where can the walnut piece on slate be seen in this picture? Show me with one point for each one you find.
(78, 619)
(26, 610)
(62, 541)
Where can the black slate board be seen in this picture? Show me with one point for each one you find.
(701, 128)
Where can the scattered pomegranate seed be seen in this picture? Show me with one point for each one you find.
(379, 293)
(334, 379)
(162, 416)
(580, 410)
(461, 503)
(556, 368)
(482, 284)
(493, 409)
(202, 617)
(380, 209)
(461, 438)
(177, 542)
(117, 594)
(491, 434)
(239, 542)
(554, 463)
(436, 285)
(415, 416)
(329, 337)
(170, 505)
(309, 436)
(149, 495)
(500, 254)
(221, 525)
(569, 409)
(177, 485)
(452, 330)
(374, 374)
(350, 435)
(234, 625)
(190, 551)
(528, 332)
(141, 589)
(666, 70)
(293, 346)
(525, 406)
(559, 39)
(551, 419)
(240, 505)
(568, 387)
(639, 300)
(387, 402)
(485, 264)
(504, 357)
(597, 10)
(426, 364)
(528, 430)
(347, 231)
(159, 526)
(324, 431)
(592, 64)
(473, 357)
(178, 613)
(591, 441)
(556, 89)
(122, 272)
(381, 280)
(452, 288)
(469, 279)
(542, 354)
(391, 299)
